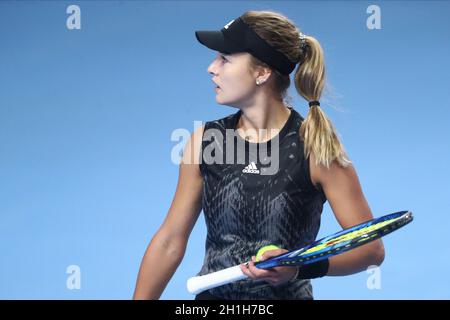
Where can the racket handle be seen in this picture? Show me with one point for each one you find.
(198, 284)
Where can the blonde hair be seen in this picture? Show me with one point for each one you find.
(317, 131)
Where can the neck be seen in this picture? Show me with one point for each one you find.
(260, 123)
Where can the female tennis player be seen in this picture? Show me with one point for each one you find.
(271, 196)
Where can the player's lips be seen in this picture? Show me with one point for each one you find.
(217, 86)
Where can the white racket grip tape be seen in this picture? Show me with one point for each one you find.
(198, 284)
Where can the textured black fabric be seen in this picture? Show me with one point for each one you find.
(245, 211)
(205, 295)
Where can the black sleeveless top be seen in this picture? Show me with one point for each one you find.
(248, 204)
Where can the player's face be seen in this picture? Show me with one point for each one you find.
(232, 75)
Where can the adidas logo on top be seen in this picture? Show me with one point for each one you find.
(251, 168)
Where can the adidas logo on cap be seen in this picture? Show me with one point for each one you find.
(251, 168)
(228, 24)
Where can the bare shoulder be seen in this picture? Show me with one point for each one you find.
(191, 154)
(321, 175)
(344, 192)
(315, 171)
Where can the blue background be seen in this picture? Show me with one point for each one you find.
(86, 118)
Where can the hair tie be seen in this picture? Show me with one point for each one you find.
(313, 103)
(303, 43)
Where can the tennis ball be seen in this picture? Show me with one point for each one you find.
(264, 249)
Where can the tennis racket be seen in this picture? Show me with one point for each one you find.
(334, 244)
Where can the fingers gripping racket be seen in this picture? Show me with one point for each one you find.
(334, 244)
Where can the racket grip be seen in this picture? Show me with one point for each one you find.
(198, 284)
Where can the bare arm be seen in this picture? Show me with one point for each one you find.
(167, 247)
(344, 193)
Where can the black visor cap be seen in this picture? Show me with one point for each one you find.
(237, 36)
(216, 40)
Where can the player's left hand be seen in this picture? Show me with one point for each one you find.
(274, 276)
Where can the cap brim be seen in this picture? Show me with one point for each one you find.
(216, 40)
